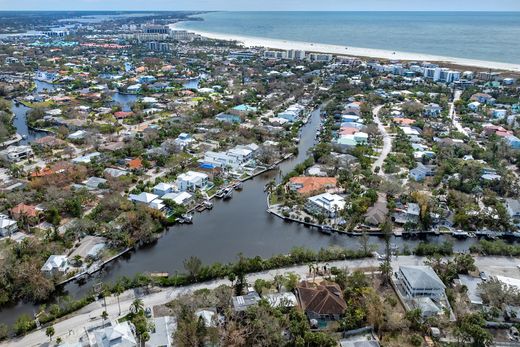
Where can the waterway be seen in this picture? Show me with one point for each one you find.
(239, 225)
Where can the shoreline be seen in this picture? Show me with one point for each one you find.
(348, 51)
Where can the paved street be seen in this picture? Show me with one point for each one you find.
(72, 328)
(387, 142)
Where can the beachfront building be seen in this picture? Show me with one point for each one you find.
(320, 57)
(325, 204)
(191, 181)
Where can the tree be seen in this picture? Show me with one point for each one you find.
(23, 324)
(118, 290)
(470, 329)
(193, 265)
(137, 306)
(49, 332)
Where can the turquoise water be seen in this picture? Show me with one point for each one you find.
(492, 36)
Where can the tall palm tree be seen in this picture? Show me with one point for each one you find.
(119, 289)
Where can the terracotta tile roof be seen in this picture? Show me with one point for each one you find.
(404, 121)
(22, 209)
(135, 164)
(324, 298)
(312, 184)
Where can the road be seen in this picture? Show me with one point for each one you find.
(73, 327)
(387, 142)
(453, 114)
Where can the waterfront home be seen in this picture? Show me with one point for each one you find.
(191, 181)
(7, 226)
(243, 302)
(16, 153)
(55, 264)
(376, 215)
(322, 301)
(325, 204)
(163, 188)
(180, 198)
(307, 184)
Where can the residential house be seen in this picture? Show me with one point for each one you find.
(420, 281)
(376, 215)
(228, 118)
(147, 199)
(115, 335)
(162, 332)
(321, 301)
(7, 226)
(16, 153)
(181, 198)
(326, 204)
(419, 173)
(191, 181)
(21, 211)
(55, 264)
(432, 110)
(513, 209)
(512, 141)
(243, 302)
(163, 188)
(184, 140)
(307, 185)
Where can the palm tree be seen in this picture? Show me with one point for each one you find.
(137, 306)
(119, 289)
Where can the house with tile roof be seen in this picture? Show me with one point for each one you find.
(309, 184)
(322, 300)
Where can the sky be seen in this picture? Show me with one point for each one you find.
(265, 5)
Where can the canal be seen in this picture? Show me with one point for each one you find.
(239, 225)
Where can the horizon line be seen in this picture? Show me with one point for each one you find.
(163, 10)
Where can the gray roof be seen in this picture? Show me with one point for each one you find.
(413, 209)
(164, 327)
(422, 277)
(241, 303)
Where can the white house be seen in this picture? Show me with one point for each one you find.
(192, 180)
(147, 199)
(421, 281)
(120, 334)
(55, 264)
(184, 140)
(221, 159)
(326, 203)
(163, 188)
(181, 198)
(7, 225)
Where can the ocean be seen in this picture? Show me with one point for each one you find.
(488, 36)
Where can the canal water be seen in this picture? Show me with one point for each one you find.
(239, 225)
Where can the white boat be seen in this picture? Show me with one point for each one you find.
(326, 229)
(228, 193)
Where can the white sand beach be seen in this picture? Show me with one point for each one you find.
(248, 41)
